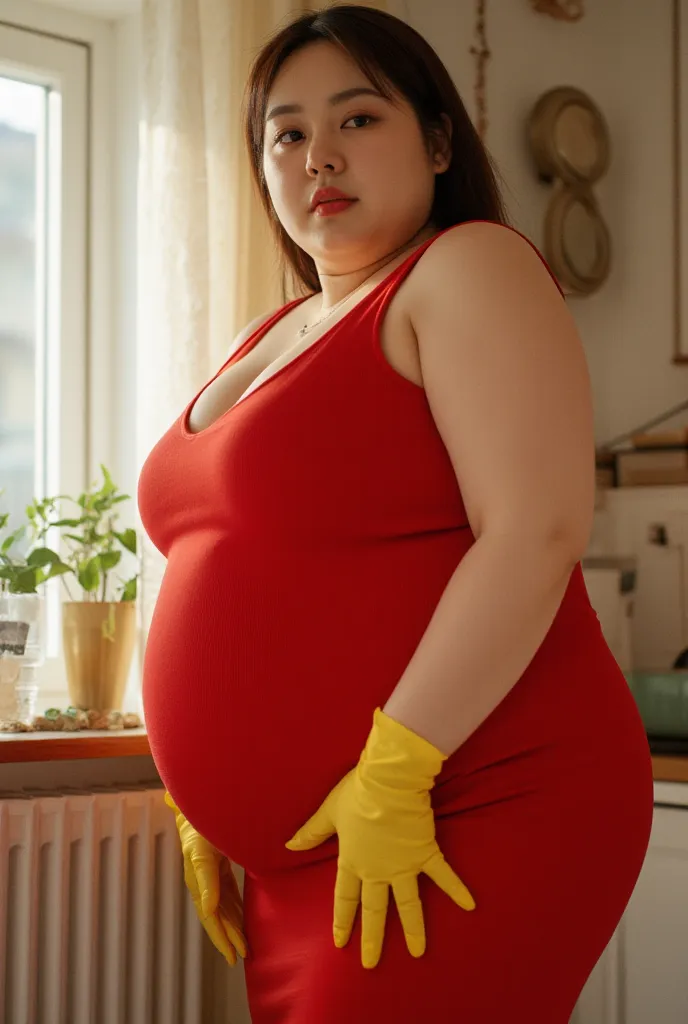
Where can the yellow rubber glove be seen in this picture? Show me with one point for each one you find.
(210, 880)
(383, 817)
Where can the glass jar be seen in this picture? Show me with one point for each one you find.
(21, 667)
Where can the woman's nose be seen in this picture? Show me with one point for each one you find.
(322, 156)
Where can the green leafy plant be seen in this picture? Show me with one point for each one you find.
(94, 546)
(17, 575)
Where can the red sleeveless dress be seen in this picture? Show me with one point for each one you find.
(309, 534)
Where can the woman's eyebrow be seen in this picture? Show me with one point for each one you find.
(338, 97)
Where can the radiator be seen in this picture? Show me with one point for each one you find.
(96, 926)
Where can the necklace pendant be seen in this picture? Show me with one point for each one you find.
(303, 330)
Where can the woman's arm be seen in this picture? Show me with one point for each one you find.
(507, 383)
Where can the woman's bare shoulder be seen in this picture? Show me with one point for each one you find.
(250, 329)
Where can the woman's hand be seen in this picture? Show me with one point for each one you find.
(382, 815)
(210, 880)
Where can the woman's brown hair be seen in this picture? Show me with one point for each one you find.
(389, 53)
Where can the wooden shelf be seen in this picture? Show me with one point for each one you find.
(16, 748)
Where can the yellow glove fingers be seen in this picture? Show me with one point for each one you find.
(213, 888)
(347, 896)
(233, 934)
(208, 879)
(231, 906)
(230, 909)
(218, 925)
(442, 875)
(192, 883)
(217, 935)
(410, 912)
(374, 901)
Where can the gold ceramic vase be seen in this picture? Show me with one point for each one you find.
(98, 642)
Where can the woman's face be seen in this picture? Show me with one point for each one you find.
(363, 145)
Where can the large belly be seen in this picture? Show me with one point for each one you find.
(260, 680)
(260, 686)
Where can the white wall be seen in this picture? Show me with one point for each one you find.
(620, 54)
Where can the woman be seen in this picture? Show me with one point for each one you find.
(374, 678)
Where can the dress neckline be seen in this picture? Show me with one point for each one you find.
(254, 338)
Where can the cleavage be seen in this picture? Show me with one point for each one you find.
(273, 351)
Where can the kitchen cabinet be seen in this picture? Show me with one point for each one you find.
(641, 977)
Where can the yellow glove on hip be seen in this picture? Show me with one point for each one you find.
(382, 814)
(210, 880)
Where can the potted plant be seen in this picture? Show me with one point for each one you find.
(99, 626)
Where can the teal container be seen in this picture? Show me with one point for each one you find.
(662, 699)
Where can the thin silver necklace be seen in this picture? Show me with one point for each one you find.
(309, 327)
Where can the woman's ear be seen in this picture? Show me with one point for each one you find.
(442, 138)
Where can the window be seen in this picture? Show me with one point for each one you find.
(44, 298)
(24, 219)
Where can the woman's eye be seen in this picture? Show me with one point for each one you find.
(294, 131)
(283, 135)
(364, 117)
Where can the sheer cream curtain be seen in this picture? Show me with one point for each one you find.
(206, 261)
